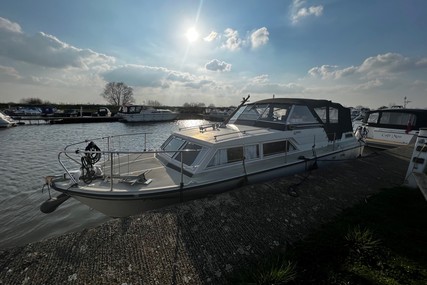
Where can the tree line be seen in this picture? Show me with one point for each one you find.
(117, 94)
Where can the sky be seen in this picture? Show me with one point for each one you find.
(367, 53)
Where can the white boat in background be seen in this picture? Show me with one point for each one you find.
(6, 121)
(260, 141)
(141, 113)
(218, 115)
(388, 128)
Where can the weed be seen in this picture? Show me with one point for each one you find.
(272, 271)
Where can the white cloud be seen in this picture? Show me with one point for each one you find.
(261, 78)
(45, 50)
(259, 37)
(211, 37)
(7, 72)
(380, 66)
(331, 71)
(261, 85)
(7, 25)
(217, 65)
(390, 63)
(300, 11)
(233, 41)
(153, 77)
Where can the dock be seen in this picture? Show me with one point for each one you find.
(32, 120)
(204, 241)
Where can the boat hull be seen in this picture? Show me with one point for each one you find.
(124, 205)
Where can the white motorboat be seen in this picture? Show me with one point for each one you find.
(261, 141)
(218, 115)
(6, 121)
(388, 128)
(141, 113)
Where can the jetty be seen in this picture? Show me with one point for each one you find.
(204, 241)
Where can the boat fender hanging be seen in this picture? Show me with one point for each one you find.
(51, 204)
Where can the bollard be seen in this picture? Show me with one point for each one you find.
(416, 176)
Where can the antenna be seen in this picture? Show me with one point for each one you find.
(405, 102)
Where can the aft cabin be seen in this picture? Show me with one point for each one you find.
(291, 114)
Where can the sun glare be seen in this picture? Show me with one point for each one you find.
(192, 35)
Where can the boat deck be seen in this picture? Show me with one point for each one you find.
(131, 173)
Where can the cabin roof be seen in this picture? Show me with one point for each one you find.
(299, 101)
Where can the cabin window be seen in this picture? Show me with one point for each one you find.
(301, 115)
(401, 119)
(275, 113)
(253, 112)
(172, 144)
(234, 154)
(273, 148)
(188, 157)
(373, 118)
(322, 113)
(333, 115)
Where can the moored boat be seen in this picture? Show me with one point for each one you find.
(388, 128)
(6, 121)
(260, 141)
(141, 113)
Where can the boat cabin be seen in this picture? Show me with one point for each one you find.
(289, 114)
(210, 150)
(399, 119)
(132, 109)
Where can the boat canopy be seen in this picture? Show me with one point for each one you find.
(289, 114)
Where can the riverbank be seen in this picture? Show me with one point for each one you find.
(204, 241)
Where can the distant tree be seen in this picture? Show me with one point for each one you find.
(32, 101)
(192, 104)
(211, 105)
(153, 103)
(118, 93)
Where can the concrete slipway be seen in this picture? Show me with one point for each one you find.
(204, 241)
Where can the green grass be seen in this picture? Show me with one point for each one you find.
(381, 241)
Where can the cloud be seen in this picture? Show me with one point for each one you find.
(153, 77)
(259, 37)
(261, 78)
(261, 84)
(7, 25)
(217, 65)
(233, 41)
(300, 11)
(331, 71)
(7, 72)
(380, 66)
(211, 37)
(390, 63)
(45, 50)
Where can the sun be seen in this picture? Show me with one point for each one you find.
(192, 34)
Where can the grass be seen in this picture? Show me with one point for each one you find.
(381, 241)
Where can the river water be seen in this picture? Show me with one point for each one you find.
(28, 153)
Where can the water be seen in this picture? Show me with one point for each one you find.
(29, 153)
